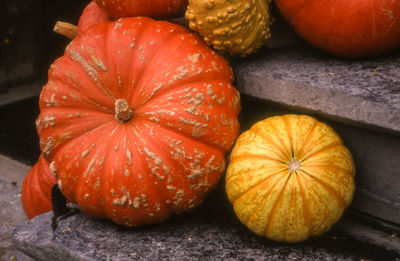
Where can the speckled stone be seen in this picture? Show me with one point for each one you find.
(363, 92)
(211, 232)
(11, 215)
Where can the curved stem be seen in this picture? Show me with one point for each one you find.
(66, 29)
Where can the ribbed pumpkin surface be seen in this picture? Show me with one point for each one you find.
(290, 177)
(136, 119)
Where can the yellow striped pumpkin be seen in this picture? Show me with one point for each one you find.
(290, 177)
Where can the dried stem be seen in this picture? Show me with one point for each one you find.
(66, 29)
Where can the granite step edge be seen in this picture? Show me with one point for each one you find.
(352, 110)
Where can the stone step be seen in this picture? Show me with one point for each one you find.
(12, 174)
(358, 92)
(208, 233)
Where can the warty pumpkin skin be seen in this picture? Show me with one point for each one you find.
(150, 8)
(347, 28)
(290, 177)
(234, 26)
(36, 189)
(136, 119)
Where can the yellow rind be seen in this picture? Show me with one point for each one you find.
(290, 206)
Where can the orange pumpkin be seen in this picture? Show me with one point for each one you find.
(92, 15)
(150, 8)
(36, 189)
(136, 118)
(348, 28)
(290, 177)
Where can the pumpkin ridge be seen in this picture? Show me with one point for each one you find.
(133, 55)
(346, 171)
(186, 135)
(136, 141)
(337, 143)
(258, 184)
(287, 152)
(149, 66)
(152, 177)
(176, 173)
(183, 84)
(243, 201)
(306, 141)
(247, 155)
(67, 145)
(306, 209)
(270, 140)
(67, 137)
(275, 207)
(68, 90)
(91, 70)
(34, 191)
(328, 188)
(277, 154)
(26, 197)
(166, 40)
(80, 183)
(290, 134)
(317, 230)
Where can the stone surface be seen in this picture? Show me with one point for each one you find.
(195, 236)
(12, 171)
(362, 92)
(20, 92)
(389, 241)
(11, 213)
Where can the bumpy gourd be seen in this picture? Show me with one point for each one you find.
(235, 26)
(290, 177)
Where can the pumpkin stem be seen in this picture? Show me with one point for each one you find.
(294, 165)
(66, 29)
(122, 111)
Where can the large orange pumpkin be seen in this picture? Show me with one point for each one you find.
(290, 177)
(348, 28)
(136, 119)
(150, 8)
(36, 189)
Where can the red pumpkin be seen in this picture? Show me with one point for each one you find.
(92, 15)
(151, 8)
(36, 189)
(136, 118)
(348, 28)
